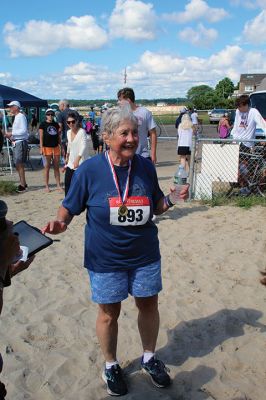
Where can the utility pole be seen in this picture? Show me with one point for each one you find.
(125, 76)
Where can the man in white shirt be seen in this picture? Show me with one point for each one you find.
(146, 124)
(19, 138)
(244, 129)
(246, 121)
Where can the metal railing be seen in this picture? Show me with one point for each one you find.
(226, 167)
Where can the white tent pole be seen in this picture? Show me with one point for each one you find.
(7, 141)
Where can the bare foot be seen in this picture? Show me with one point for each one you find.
(47, 190)
(263, 280)
(60, 190)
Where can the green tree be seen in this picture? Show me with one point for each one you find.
(196, 93)
(224, 88)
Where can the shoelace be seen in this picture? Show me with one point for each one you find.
(158, 366)
(111, 375)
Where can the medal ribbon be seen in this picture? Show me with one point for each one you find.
(124, 197)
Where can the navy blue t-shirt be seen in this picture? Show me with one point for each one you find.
(111, 247)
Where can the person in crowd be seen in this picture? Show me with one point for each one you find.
(19, 138)
(224, 127)
(120, 192)
(247, 119)
(50, 141)
(183, 111)
(185, 132)
(146, 124)
(77, 147)
(62, 120)
(34, 121)
(92, 115)
(194, 118)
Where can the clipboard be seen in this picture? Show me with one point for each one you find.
(31, 237)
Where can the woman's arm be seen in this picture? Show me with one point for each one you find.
(41, 139)
(82, 148)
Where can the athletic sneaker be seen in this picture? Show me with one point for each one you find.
(113, 377)
(21, 189)
(157, 371)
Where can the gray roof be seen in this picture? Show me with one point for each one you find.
(252, 79)
(262, 85)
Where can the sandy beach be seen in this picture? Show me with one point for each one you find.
(213, 322)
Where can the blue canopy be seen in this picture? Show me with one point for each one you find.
(8, 94)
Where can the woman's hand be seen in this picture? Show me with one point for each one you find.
(20, 266)
(9, 250)
(54, 227)
(179, 193)
(76, 164)
(41, 150)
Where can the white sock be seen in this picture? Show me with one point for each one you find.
(109, 365)
(147, 355)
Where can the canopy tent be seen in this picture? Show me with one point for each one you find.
(7, 94)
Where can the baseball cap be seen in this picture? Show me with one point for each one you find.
(49, 110)
(14, 103)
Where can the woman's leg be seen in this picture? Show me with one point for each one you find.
(107, 329)
(183, 161)
(46, 172)
(148, 321)
(57, 172)
(187, 163)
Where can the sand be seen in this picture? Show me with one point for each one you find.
(213, 323)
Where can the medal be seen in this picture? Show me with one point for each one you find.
(123, 211)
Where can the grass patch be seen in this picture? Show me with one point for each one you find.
(169, 119)
(237, 201)
(7, 187)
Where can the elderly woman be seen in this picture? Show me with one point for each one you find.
(120, 193)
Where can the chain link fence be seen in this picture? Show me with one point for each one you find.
(227, 168)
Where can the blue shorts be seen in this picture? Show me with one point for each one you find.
(113, 287)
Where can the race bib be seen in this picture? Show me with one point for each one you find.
(137, 211)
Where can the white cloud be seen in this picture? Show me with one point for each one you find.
(153, 75)
(133, 20)
(197, 9)
(255, 30)
(201, 37)
(40, 38)
(250, 4)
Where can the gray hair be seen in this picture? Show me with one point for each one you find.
(65, 102)
(113, 117)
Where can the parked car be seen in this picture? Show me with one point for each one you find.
(216, 115)
(231, 116)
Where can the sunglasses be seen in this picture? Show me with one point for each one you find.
(50, 114)
(72, 121)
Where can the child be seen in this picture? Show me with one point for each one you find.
(185, 131)
(224, 127)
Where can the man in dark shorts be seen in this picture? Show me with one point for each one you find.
(19, 138)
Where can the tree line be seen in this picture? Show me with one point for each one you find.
(202, 97)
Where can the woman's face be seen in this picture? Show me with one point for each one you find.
(124, 140)
(72, 123)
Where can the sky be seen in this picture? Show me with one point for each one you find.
(81, 49)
